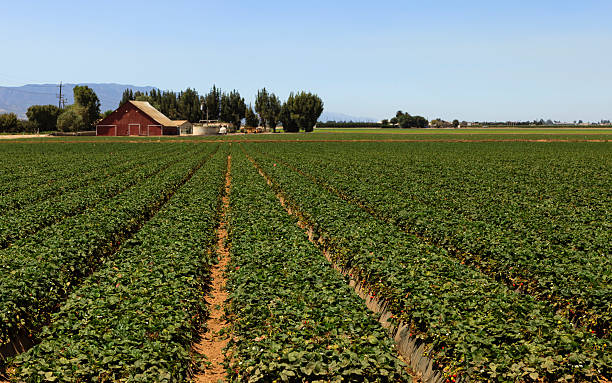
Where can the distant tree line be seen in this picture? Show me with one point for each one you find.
(298, 113)
(9, 123)
(406, 121)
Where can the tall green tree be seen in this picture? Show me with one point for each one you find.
(89, 105)
(189, 105)
(303, 110)
(127, 96)
(274, 110)
(8, 123)
(212, 103)
(421, 122)
(286, 116)
(233, 109)
(44, 117)
(261, 105)
(268, 107)
(71, 119)
(406, 121)
(251, 119)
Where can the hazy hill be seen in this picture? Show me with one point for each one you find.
(18, 99)
(332, 116)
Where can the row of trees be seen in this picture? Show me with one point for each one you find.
(406, 121)
(9, 123)
(299, 112)
(268, 108)
(184, 105)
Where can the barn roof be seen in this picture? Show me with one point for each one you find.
(155, 114)
(178, 122)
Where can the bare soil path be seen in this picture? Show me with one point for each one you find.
(214, 341)
(18, 136)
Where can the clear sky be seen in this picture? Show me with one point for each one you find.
(472, 60)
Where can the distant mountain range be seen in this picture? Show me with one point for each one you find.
(338, 117)
(18, 99)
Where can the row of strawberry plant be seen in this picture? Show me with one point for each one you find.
(471, 324)
(24, 165)
(532, 241)
(293, 317)
(110, 182)
(38, 274)
(137, 317)
(73, 172)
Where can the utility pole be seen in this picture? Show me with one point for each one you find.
(62, 100)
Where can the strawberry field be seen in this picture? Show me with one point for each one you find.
(482, 261)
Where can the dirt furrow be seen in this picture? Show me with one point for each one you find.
(214, 340)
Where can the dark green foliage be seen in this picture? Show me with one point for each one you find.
(407, 121)
(45, 267)
(88, 105)
(137, 317)
(294, 318)
(67, 195)
(530, 216)
(261, 105)
(233, 109)
(251, 119)
(189, 105)
(186, 105)
(268, 107)
(305, 110)
(128, 95)
(8, 123)
(472, 323)
(273, 112)
(212, 103)
(289, 123)
(301, 112)
(71, 119)
(44, 117)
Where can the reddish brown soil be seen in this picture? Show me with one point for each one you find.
(212, 344)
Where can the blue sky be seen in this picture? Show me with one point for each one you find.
(472, 60)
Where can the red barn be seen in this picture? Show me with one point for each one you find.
(139, 118)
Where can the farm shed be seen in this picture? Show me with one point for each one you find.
(139, 118)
